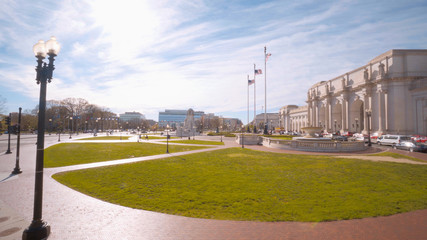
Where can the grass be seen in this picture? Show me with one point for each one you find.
(107, 138)
(242, 184)
(225, 134)
(154, 137)
(201, 142)
(66, 154)
(397, 155)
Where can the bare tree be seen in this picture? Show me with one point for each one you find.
(2, 105)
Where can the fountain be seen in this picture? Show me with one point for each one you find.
(311, 135)
(311, 131)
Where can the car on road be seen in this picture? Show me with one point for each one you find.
(411, 146)
(392, 140)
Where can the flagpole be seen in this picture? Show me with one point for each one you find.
(265, 89)
(248, 100)
(254, 100)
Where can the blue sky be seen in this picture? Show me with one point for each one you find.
(147, 56)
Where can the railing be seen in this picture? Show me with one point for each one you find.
(313, 146)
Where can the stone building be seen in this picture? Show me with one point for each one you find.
(389, 92)
(391, 88)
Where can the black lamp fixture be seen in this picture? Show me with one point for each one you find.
(38, 228)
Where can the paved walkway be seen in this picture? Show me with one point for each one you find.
(73, 215)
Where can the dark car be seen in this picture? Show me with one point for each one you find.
(411, 146)
(339, 138)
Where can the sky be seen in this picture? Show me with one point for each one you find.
(148, 56)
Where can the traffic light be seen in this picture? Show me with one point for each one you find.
(7, 120)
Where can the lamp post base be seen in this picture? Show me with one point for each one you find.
(37, 230)
(16, 171)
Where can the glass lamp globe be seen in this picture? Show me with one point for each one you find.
(52, 46)
(39, 49)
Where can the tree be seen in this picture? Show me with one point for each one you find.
(2, 105)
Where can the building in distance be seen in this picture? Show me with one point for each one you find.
(174, 117)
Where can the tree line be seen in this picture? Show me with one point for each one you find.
(72, 114)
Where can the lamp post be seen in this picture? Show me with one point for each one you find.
(8, 119)
(167, 139)
(17, 170)
(70, 122)
(243, 144)
(369, 114)
(357, 123)
(335, 125)
(59, 134)
(39, 229)
(50, 125)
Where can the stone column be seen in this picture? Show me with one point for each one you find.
(326, 114)
(330, 115)
(317, 114)
(386, 109)
(380, 112)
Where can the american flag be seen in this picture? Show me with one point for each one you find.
(258, 71)
(266, 56)
(250, 82)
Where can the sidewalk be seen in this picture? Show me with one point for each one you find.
(73, 215)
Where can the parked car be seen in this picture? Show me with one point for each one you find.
(392, 140)
(420, 139)
(358, 137)
(339, 138)
(411, 146)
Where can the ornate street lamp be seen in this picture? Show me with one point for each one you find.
(369, 114)
(50, 125)
(39, 229)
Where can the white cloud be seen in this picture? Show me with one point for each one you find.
(150, 55)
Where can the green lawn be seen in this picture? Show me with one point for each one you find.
(201, 142)
(242, 184)
(397, 155)
(154, 137)
(106, 138)
(66, 154)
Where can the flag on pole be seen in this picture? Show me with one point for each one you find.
(258, 71)
(266, 56)
(250, 82)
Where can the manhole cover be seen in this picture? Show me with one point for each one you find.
(9, 231)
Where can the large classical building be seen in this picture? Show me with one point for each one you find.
(389, 94)
(293, 118)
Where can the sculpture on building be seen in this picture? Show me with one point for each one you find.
(381, 71)
(366, 74)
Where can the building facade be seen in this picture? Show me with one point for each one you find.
(273, 120)
(131, 116)
(174, 118)
(388, 94)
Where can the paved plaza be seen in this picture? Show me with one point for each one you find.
(73, 215)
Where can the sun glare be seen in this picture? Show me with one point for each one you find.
(127, 25)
